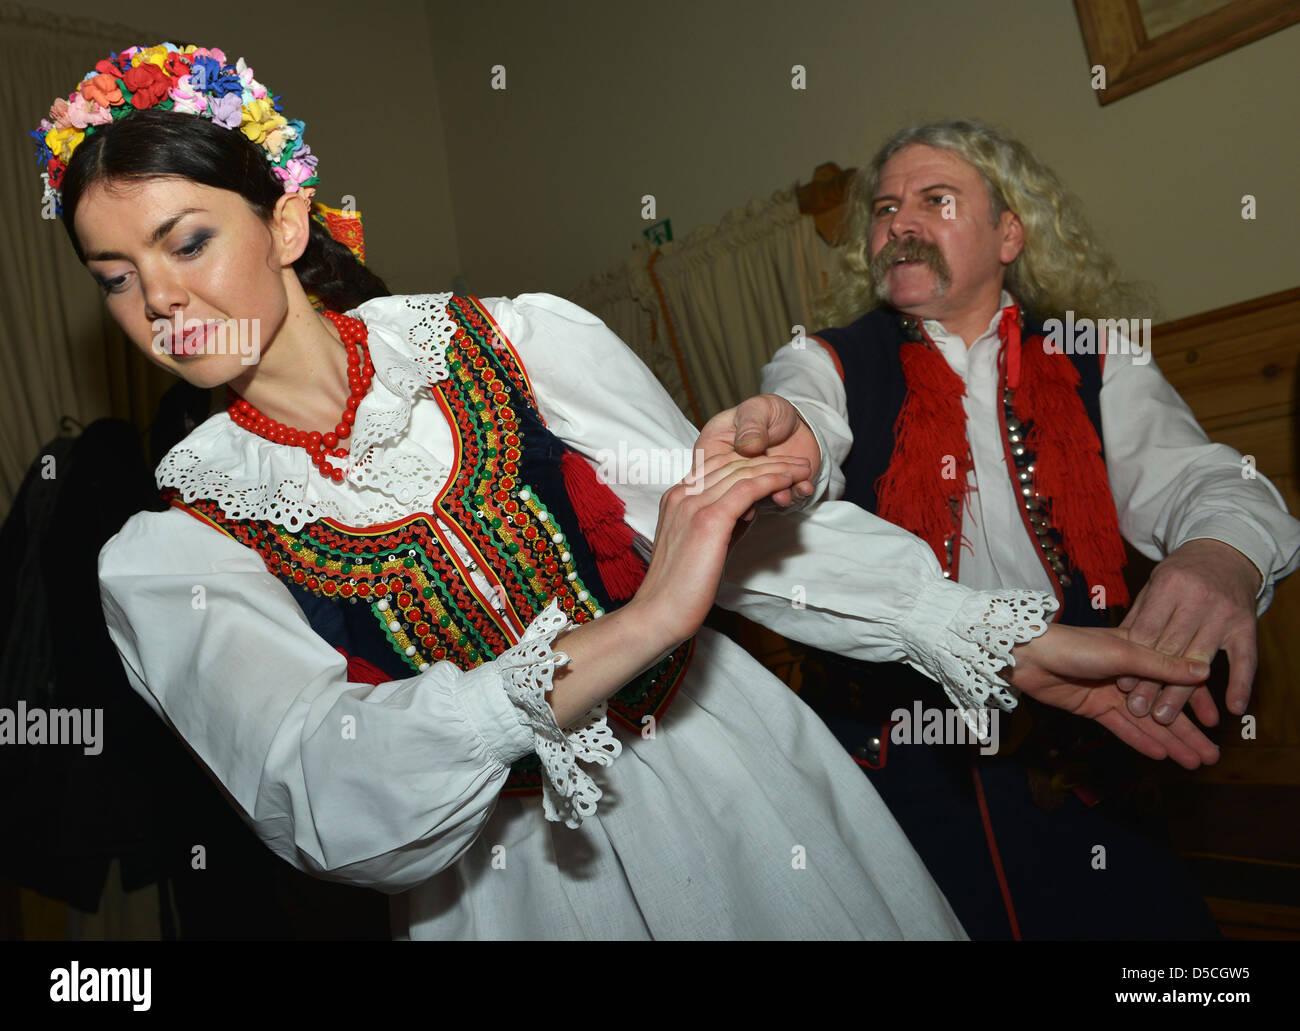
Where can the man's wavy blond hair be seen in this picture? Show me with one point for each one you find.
(1062, 267)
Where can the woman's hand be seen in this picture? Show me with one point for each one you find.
(699, 519)
(1076, 669)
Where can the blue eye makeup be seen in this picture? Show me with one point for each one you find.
(195, 245)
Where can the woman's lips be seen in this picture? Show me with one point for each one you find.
(195, 340)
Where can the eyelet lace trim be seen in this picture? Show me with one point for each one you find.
(252, 478)
(568, 792)
(976, 645)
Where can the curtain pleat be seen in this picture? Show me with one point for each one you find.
(60, 352)
(731, 295)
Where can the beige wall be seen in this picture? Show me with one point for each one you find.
(367, 144)
(692, 102)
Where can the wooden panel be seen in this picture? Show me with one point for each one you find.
(1238, 369)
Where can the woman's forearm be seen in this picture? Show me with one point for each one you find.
(605, 654)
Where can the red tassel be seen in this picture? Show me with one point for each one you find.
(1069, 469)
(914, 492)
(600, 518)
(362, 672)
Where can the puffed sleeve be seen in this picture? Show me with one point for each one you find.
(1172, 484)
(380, 786)
(835, 576)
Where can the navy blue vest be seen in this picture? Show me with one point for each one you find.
(874, 385)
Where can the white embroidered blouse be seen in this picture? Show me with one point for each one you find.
(396, 786)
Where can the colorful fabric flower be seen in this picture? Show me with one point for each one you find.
(62, 142)
(83, 113)
(188, 99)
(226, 111)
(260, 118)
(102, 89)
(152, 55)
(176, 65)
(298, 172)
(148, 84)
(190, 80)
(59, 114)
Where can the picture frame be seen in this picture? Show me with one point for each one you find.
(1138, 43)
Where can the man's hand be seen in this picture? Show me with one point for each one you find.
(1198, 600)
(1074, 668)
(767, 425)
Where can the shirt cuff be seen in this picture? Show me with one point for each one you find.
(518, 719)
(1239, 534)
(964, 638)
(822, 481)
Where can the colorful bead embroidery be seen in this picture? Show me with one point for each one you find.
(425, 601)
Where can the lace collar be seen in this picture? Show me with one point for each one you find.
(252, 478)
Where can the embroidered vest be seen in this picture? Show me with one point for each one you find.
(396, 598)
(867, 352)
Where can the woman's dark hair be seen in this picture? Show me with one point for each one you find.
(152, 143)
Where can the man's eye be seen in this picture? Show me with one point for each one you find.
(884, 209)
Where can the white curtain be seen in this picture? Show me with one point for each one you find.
(707, 312)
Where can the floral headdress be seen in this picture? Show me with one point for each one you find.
(188, 80)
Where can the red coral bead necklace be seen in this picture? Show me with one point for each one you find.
(320, 446)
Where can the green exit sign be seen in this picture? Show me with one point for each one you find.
(660, 233)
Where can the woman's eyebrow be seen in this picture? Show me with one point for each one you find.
(162, 230)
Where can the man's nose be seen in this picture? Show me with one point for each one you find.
(904, 223)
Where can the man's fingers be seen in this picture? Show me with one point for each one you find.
(1243, 661)
(751, 422)
(1170, 702)
(1191, 643)
(1203, 705)
(763, 422)
(1141, 696)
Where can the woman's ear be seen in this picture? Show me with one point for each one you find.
(290, 227)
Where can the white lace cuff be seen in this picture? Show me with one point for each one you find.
(568, 792)
(975, 641)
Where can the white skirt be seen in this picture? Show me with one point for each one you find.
(742, 817)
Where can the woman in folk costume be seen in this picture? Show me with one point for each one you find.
(353, 612)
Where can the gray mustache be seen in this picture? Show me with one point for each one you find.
(912, 249)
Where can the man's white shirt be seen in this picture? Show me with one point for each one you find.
(1170, 482)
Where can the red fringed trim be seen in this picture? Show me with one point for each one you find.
(1069, 470)
(362, 672)
(929, 442)
(600, 518)
(1009, 332)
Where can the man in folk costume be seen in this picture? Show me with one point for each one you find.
(951, 410)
